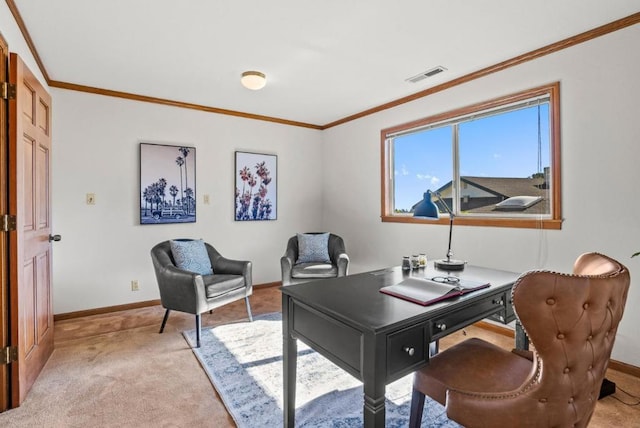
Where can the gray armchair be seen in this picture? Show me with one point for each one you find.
(293, 273)
(193, 293)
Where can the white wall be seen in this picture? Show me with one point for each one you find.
(11, 33)
(96, 150)
(600, 175)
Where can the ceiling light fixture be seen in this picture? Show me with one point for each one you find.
(253, 80)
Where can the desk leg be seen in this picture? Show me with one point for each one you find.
(374, 411)
(289, 361)
(374, 380)
(522, 341)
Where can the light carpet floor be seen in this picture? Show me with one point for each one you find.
(244, 362)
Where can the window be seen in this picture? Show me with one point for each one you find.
(496, 163)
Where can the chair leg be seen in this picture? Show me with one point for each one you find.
(198, 330)
(246, 299)
(417, 405)
(164, 320)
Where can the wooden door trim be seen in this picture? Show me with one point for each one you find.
(5, 380)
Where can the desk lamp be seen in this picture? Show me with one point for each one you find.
(427, 209)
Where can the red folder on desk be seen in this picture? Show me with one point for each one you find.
(424, 291)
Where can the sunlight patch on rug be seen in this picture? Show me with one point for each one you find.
(244, 362)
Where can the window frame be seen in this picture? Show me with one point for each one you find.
(551, 90)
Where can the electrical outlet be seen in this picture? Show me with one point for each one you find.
(135, 286)
(91, 198)
(206, 199)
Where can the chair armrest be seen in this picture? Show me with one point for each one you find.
(343, 264)
(179, 289)
(339, 257)
(228, 266)
(224, 265)
(286, 264)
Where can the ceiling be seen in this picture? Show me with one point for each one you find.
(324, 60)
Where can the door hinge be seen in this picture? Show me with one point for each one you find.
(8, 91)
(7, 223)
(8, 355)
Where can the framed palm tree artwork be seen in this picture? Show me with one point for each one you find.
(167, 184)
(256, 177)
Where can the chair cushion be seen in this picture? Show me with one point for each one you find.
(313, 248)
(473, 366)
(191, 255)
(314, 270)
(219, 284)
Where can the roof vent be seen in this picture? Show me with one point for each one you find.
(429, 73)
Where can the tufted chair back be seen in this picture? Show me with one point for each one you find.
(571, 320)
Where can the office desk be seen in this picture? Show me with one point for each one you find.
(375, 337)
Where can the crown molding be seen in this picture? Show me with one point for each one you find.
(27, 38)
(174, 103)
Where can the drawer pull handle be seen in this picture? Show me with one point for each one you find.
(409, 350)
(441, 327)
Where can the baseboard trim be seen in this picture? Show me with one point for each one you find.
(624, 368)
(613, 364)
(105, 310)
(269, 284)
(495, 328)
(135, 305)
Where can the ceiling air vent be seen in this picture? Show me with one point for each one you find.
(429, 73)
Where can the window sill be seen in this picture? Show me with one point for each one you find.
(523, 223)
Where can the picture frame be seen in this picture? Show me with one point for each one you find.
(256, 186)
(167, 183)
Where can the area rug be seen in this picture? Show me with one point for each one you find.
(244, 362)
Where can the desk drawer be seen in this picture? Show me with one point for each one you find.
(406, 349)
(463, 317)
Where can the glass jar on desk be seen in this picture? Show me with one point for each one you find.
(415, 262)
(422, 259)
(406, 263)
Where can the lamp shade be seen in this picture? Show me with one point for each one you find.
(426, 208)
(253, 80)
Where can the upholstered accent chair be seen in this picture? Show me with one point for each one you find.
(297, 267)
(194, 293)
(571, 321)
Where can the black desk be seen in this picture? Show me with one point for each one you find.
(375, 337)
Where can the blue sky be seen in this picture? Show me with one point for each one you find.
(504, 145)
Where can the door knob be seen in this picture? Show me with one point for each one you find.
(54, 238)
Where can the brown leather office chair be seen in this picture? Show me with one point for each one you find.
(571, 321)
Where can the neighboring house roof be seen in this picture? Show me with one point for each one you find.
(508, 187)
(504, 188)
